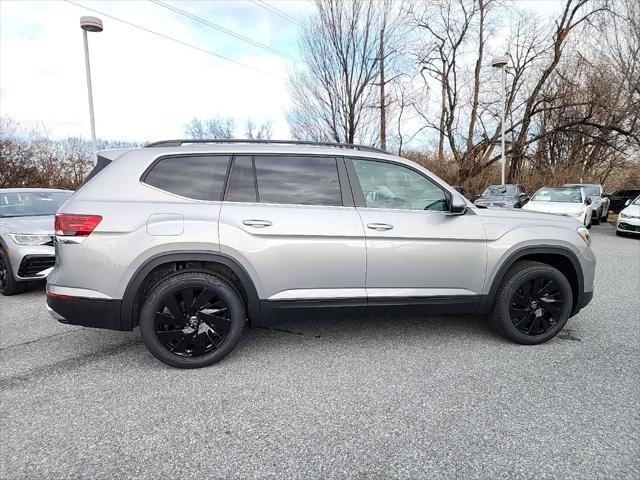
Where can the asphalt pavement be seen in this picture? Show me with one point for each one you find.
(381, 398)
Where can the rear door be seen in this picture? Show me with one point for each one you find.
(416, 251)
(291, 222)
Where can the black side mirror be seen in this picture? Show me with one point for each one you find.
(587, 201)
(458, 206)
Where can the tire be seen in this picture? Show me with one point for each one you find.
(192, 319)
(535, 319)
(620, 234)
(8, 283)
(605, 217)
(596, 219)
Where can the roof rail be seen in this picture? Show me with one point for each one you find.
(180, 142)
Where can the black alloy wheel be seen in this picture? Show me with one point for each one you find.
(536, 306)
(8, 284)
(192, 319)
(532, 304)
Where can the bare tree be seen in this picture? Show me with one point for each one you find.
(334, 98)
(258, 132)
(217, 127)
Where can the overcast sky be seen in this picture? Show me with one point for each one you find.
(147, 87)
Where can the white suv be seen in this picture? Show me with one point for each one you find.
(191, 239)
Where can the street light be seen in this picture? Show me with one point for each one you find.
(501, 63)
(90, 24)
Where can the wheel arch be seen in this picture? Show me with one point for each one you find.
(166, 262)
(562, 258)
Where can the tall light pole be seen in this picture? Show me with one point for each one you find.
(501, 63)
(90, 24)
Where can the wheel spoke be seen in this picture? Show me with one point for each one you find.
(166, 319)
(200, 344)
(549, 306)
(519, 300)
(170, 335)
(526, 291)
(172, 304)
(217, 323)
(187, 300)
(535, 325)
(548, 288)
(184, 343)
(517, 312)
(202, 300)
(537, 286)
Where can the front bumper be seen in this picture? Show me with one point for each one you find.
(86, 312)
(628, 225)
(31, 262)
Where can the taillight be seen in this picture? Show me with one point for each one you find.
(76, 225)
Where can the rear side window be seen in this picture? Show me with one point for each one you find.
(200, 178)
(298, 180)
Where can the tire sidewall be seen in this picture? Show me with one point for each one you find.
(507, 293)
(172, 284)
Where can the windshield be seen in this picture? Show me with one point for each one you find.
(562, 195)
(29, 204)
(636, 201)
(494, 190)
(589, 190)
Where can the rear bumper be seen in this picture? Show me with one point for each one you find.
(87, 312)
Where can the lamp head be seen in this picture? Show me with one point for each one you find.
(91, 24)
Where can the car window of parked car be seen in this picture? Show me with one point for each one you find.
(500, 190)
(197, 177)
(242, 183)
(562, 195)
(31, 203)
(298, 180)
(388, 185)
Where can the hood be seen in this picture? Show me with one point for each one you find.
(36, 224)
(554, 207)
(517, 217)
(632, 210)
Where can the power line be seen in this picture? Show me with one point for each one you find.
(276, 11)
(166, 37)
(225, 30)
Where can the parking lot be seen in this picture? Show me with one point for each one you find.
(368, 398)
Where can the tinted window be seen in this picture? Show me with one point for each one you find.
(298, 180)
(31, 203)
(387, 185)
(201, 178)
(242, 186)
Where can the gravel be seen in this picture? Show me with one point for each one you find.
(420, 397)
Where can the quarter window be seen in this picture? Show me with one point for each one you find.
(388, 185)
(200, 178)
(298, 180)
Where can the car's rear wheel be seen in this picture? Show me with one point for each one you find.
(533, 303)
(192, 320)
(8, 283)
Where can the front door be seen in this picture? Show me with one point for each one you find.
(417, 252)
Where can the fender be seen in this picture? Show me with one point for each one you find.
(487, 302)
(126, 310)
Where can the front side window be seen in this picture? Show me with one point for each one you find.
(298, 180)
(388, 185)
(200, 178)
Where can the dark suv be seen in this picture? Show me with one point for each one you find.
(507, 196)
(619, 199)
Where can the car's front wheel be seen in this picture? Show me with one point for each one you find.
(533, 303)
(192, 320)
(8, 283)
(596, 218)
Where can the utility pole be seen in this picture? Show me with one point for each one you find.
(383, 107)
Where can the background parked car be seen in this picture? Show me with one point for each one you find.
(618, 200)
(629, 218)
(509, 196)
(466, 194)
(26, 235)
(600, 202)
(569, 201)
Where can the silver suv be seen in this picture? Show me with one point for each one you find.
(190, 240)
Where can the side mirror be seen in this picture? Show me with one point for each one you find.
(627, 203)
(458, 206)
(587, 201)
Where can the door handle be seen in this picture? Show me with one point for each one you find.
(257, 223)
(380, 227)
